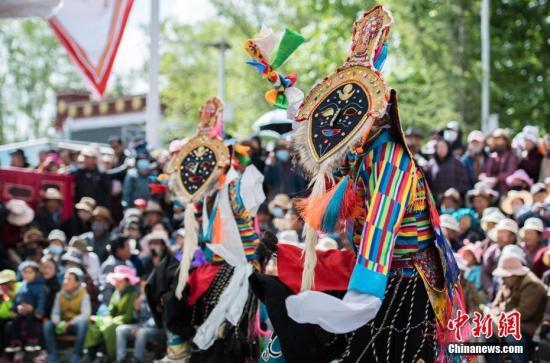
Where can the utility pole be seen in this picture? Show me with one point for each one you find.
(152, 126)
(485, 65)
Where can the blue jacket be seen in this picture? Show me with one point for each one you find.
(33, 293)
(136, 186)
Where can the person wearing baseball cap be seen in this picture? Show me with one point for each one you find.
(521, 291)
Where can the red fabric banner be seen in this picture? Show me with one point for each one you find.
(29, 185)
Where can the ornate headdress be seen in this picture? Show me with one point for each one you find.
(337, 115)
(194, 172)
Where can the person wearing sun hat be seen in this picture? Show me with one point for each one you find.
(504, 233)
(121, 311)
(8, 288)
(449, 201)
(491, 216)
(539, 192)
(33, 244)
(516, 202)
(79, 221)
(531, 237)
(519, 180)
(48, 216)
(521, 291)
(451, 230)
(19, 216)
(531, 155)
(481, 197)
(99, 236)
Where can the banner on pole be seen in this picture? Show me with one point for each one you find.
(91, 31)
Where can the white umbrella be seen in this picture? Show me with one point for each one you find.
(274, 123)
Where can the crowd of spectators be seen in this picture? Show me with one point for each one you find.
(84, 276)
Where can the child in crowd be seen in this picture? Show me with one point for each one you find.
(70, 314)
(8, 288)
(29, 304)
(102, 329)
(471, 254)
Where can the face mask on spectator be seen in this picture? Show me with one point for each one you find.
(278, 212)
(55, 250)
(99, 227)
(450, 135)
(447, 210)
(282, 155)
(143, 165)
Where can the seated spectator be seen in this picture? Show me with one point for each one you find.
(178, 214)
(471, 295)
(539, 192)
(20, 215)
(516, 203)
(79, 222)
(449, 201)
(102, 330)
(18, 159)
(99, 237)
(502, 161)
(490, 218)
(481, 198)
(471, 255)
(519, 180)
(120, 254)
(469, 227)
(48, 216)
(33, 245)
(504, 233)
(131, 229)
(29, 305)
(523, 292)
(531, 157)
(8, 289)
(451, 230)
(73, 259)
(71, 310)
(446, 171)
(531, 239)
(49, 271)
(57, 244)
(90, 260)
(142, 332)
(152, 214)
(545, 163)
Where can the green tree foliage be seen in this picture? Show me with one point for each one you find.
(434, 60)
(32, 66)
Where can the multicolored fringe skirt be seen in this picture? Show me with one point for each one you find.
(404, 329)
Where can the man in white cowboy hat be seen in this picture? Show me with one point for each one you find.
(531, 238)
(504, 233)
(481, 197)
(451, 229)
(48, 216)
(521, 291)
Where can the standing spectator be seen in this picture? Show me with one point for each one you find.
(19, 216)
(68, 164)
(18, 159)
(90, 259)
(446, 171)
(280, 175)
(143, 331)
(30, 302)
(545, 162)
(474, 158)
(48, 217)
(531, 156)
(119, 150)
(91, 182)
(120, 254)
(79, 222)
(71, 310)
(502, 161)
(136, 183)
(523, 292)
(48, 269)
(453, 135)
(98, 238)
(531, 239)
(413, 138)
(152, 215)
(504, 234)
